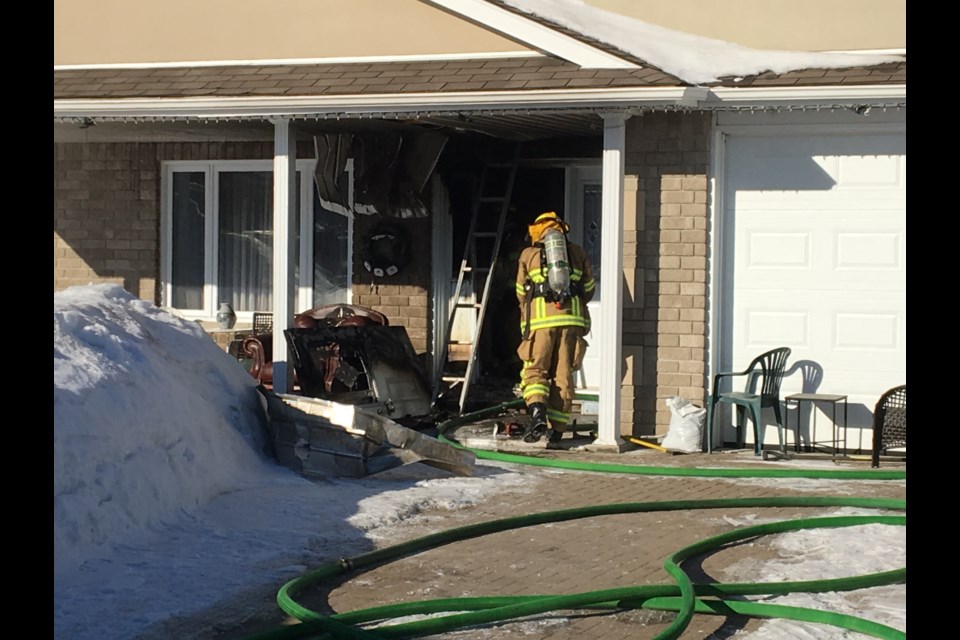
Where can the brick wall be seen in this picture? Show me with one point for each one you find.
(404, 297)
(106, 211)
(105, 216)
(665, 267)
(107, 225)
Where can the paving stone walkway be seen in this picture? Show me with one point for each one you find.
(596, 553)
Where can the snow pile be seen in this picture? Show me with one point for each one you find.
(151, 418)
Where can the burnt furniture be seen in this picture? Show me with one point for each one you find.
(259, 347)
(363, 364)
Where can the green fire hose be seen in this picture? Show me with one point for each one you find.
(684, 597)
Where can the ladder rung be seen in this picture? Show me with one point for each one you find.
(486, 214)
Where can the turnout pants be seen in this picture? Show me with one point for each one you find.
(550, 357)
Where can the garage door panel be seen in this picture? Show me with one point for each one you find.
(869, 251)
(835, 250)
(868, 171)
(766, 328)
(814, 233)
(821, 202)
(877, 331)
(839, 323)
(818, 162)
(855, 351)
(771, 250)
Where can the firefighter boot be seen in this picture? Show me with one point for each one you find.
(553, 439)
(538, 422)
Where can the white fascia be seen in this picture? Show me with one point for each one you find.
(799, 96)
(374, 105)
(427, 57)
(534, 34)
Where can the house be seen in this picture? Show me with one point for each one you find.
(746, 198)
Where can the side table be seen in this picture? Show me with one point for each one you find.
(813, 398)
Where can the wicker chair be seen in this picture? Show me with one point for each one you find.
(890, 423)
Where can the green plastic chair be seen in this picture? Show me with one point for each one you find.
(768, 367)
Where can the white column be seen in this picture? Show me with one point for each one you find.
(610, 322)
(284, 207)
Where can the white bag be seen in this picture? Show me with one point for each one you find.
(685, 433)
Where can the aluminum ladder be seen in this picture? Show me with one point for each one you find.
(477, 265)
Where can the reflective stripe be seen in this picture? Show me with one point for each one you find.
(558, 416)
(558, 321)
(520, 289)
(589, 285)
(536, 390)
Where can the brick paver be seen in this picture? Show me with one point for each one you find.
(590, 554)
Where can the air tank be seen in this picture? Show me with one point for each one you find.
(558, 264)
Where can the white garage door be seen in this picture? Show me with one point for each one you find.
(814, 258)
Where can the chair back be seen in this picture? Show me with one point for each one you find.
(890, 419)
(339, 314)
(773, 365)
(262, 322)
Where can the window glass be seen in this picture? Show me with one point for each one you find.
(240, 248)
(188, 239)
(245, 236)
(331, 253)
(591, 230)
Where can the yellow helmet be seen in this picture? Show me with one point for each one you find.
(544, 221)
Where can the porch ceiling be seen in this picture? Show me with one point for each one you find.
(509, 126)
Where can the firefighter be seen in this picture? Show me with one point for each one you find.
(554, 284)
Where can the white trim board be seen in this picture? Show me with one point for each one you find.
(534, 34)
(375, 105)
(489, 55)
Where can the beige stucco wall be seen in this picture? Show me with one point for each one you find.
(120, 31)
(807, 25)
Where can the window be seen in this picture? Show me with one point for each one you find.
(218, 240)
(592, 209)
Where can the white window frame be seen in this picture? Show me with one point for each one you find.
(211, 169)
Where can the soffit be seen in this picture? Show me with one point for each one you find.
(395, 80)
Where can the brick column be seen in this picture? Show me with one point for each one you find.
(665, 322)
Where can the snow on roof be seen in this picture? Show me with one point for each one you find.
(695, 59)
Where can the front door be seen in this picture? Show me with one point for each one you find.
(583, 214)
